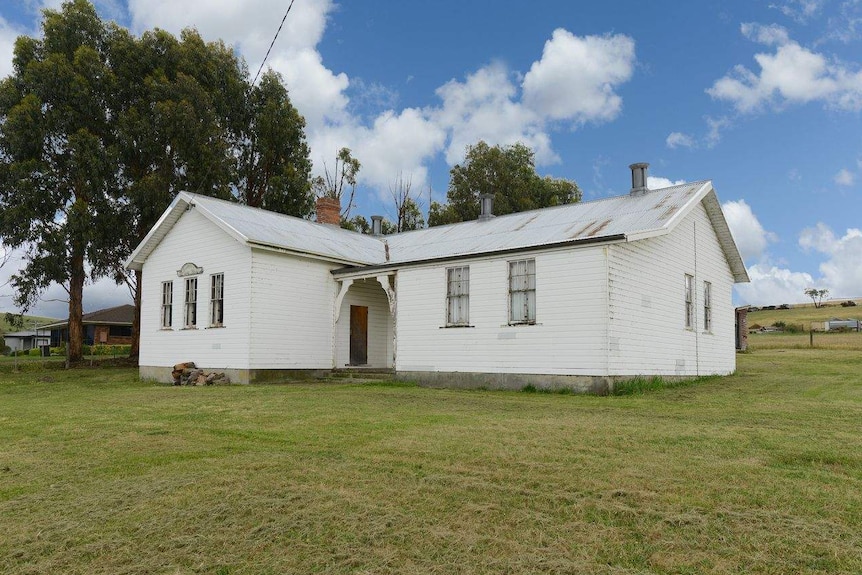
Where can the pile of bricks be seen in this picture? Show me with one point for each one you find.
(188, 374)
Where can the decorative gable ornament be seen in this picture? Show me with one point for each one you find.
(189, 269)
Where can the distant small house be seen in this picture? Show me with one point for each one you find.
(111, 326)
(24, 340)
(835, 324)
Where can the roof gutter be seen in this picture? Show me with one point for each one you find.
(304, 254)
(568, 243)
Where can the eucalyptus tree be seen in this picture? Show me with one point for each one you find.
(177, 104)
(273, 164)
(100, 129)
(58, 158)
(506, 172)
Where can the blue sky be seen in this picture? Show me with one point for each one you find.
(763, 98)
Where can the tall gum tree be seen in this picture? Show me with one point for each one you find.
(57, 158)
(273, 164)
(507, 172)
(176, 105)
(99, 130)
(189, 119)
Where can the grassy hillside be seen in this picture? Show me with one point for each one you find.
(760, 472)
(805, 314)
(29, 322)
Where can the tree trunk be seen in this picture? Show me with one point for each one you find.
(76, 311)
(134, 352)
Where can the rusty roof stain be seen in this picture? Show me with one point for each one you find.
(582, 229)
(526, 222)
(599, 228)
(671, 210)
(663, 201)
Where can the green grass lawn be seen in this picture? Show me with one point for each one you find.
(760, 472)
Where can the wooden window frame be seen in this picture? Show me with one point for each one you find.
(217, 300)
(458, 297)
(707, 307)
(526, 312)
(167, 320)
(190, 315)
(689, 301)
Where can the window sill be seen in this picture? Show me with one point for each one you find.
(166, 329)
(456, 326)
(215, 327)
(520, 324)
(189, 328)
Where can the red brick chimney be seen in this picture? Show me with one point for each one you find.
(328, 211)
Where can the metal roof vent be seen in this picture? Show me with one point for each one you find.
(639, 179)
(376, 225)
(486, 206)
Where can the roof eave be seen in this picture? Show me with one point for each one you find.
(311, 255)
(136, 259)
(725, 237)
(346, 271)
(184, 201)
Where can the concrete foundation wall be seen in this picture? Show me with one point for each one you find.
(598, 385)
(245, 376)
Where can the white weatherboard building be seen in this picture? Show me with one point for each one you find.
(579, 295)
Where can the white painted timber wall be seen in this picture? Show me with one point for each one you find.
(368, 293)
(647, 304)
(292, 309)
(197, 240)
(569, 337)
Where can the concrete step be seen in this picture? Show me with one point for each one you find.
(367, 373)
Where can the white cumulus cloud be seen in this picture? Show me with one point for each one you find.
(659, 182)
(748, 233)
(842, 271)
(791, 75)
(576, 77)
(771, 285)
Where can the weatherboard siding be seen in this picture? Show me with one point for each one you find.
(197, 240)
(367, 293)
(292, 301)
(647, 333)
(569, 337)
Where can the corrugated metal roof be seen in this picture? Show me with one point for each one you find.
(118, 315)
(605, 218)
(630, 217)
(294, 234)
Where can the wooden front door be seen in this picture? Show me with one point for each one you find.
(358, 335)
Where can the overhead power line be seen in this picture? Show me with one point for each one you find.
(256, 76)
